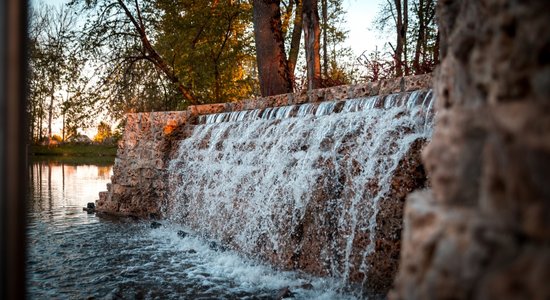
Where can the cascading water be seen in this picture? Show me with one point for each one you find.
(297, 185)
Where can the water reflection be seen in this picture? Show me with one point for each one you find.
(56, 185)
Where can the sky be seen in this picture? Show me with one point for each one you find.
(360, 16)
(361, 36)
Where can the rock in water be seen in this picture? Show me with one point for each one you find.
(182, 234)
(155, 225)
(90, 208)
(284, 293)
(216, 247)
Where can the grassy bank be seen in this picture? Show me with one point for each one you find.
(74, 154)
(73, 150)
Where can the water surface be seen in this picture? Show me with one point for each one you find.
(75, 255)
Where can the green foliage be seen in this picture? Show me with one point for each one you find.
(208, 43)
(203, 44)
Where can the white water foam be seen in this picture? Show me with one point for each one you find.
(214, 267)
(250, 179)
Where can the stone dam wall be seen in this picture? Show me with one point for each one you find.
(327, 239)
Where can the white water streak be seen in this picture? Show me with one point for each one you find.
(251, 178)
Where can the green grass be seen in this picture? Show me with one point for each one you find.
(74, 153)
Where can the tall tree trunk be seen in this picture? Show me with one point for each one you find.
(312, 35)
(273, 68)
(295, 40)
(324, 9)
(63, 128)
(398, 51)
(420, 41)
(286, 16)
(50, 114)
(40, 120)
(404, 36)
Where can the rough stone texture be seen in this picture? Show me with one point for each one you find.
(319, 228)
(138, 183)
(382, 265)
(483, 231)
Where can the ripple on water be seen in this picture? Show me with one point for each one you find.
(107, 259)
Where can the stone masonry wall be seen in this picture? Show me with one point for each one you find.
(138, 183)
(483, 230)
(138, 187)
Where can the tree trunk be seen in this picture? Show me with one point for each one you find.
(312, 35)
(285, 22)
(398, 52)
(420, 41)
(295, 41)
(324, 8)
(50, 115)
(40, 120)
(404, 36)
(273, 68)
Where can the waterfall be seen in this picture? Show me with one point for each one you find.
(297, 184)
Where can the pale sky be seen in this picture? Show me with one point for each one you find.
(360, 16)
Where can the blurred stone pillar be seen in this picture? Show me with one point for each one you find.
(483, 230)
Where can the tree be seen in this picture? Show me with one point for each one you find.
(418, 33)
(296, 35)
(103, 132)
(337, 58)
(312, 35)
(118, 33)
(52, 60)
(271, 59)
(165, 54)
(426, 33)
(401, 21)
(209, 46)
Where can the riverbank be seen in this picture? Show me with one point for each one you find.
(74, 153)
(73, 150)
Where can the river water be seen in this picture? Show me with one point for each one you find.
(75, 255)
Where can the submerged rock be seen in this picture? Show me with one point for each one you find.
(182, 234)
(284, 293)
(155, 225)
(306, 286)
(90, 208)
(216, 246)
